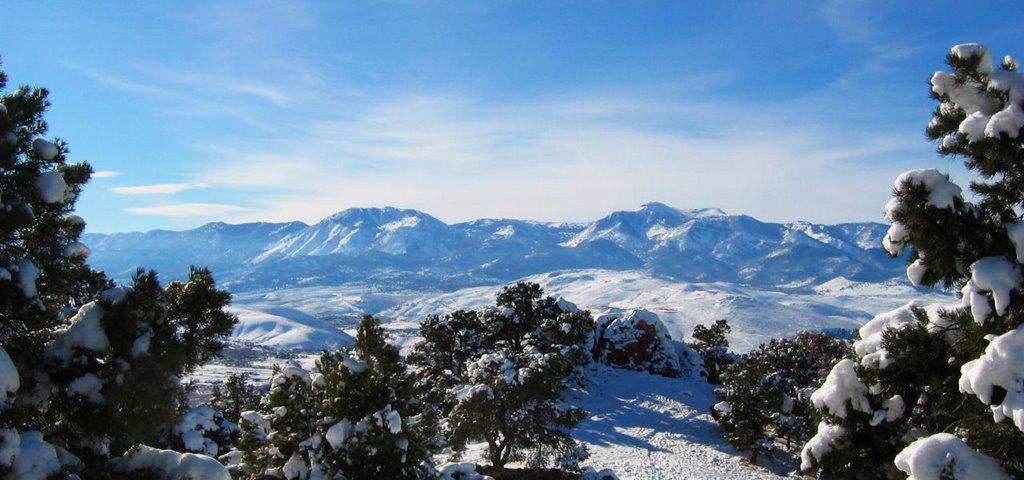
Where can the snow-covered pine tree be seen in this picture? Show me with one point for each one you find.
(37, 192)
(712, 346)
(120, 359)
(765, 395)
(449, 342)
(356, 417)
(939, 388)
(237, 395)
(96, 368)
(374, 425)
(749, 401)
(282, 438)
(511, 396)
(202, 429)
(802, 362)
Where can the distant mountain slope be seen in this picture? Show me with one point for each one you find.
(360, 231)
(285, 328)
(222, 247)
(394, 249)
(756, 315)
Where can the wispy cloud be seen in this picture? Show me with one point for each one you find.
(130, 86)
(105, 174)
(463, 159)
(197, 210)
(193, 95)
(266, 92)
(158, 189)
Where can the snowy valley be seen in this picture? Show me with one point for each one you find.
(298, 290)
(299, 286)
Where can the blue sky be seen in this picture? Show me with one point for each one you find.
(557, 111)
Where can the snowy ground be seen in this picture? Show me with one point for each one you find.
(649, 427)
(641, 426)
(756, 315)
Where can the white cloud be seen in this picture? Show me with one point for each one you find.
(158, 189)
(266, 92)
(201, 210)
(576, 159)
(105, 174)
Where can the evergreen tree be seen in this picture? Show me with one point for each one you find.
(38, 188)
(356, 418)
(377, 427)
(923, 373)
(279, 439)
(712, 346)
(449, 343)
(99, 367)
(236, 396)
(765, 395)
(510, 396)
(749, 401)
(202, 429)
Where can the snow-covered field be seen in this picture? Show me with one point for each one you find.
(756, 315)
(645, 426)
(642, 426)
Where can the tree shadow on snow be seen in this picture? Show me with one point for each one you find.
(629, 409)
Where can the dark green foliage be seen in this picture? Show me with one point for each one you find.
(765, 395)
(800, 364)
(236, 396)
(374, 390)
(925, 360)
(510, 394)
(712, 346)
(196, 308)
(449, 343)
(99, 367)
(33, 230)
(749, 402)
(919, 369)
(139, 371)
(525, 318)
(279, 432)
(356, 418)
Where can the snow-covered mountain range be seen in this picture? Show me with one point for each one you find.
(395, 249)
(300, 286)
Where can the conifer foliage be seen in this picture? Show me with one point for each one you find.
(235, 396)
(939, 388)
(450, 342)
(505, 379)
(90, 372)
(355, 417)
(765, 395)
(710, 343)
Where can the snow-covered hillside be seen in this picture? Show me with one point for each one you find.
(756, 315)
(394, 249)
(645, 426)
(285, 328)
(642, 426)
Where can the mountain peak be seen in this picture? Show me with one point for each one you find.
(376, 215)
(658, 208)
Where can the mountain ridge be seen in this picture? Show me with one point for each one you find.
(403, 248)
